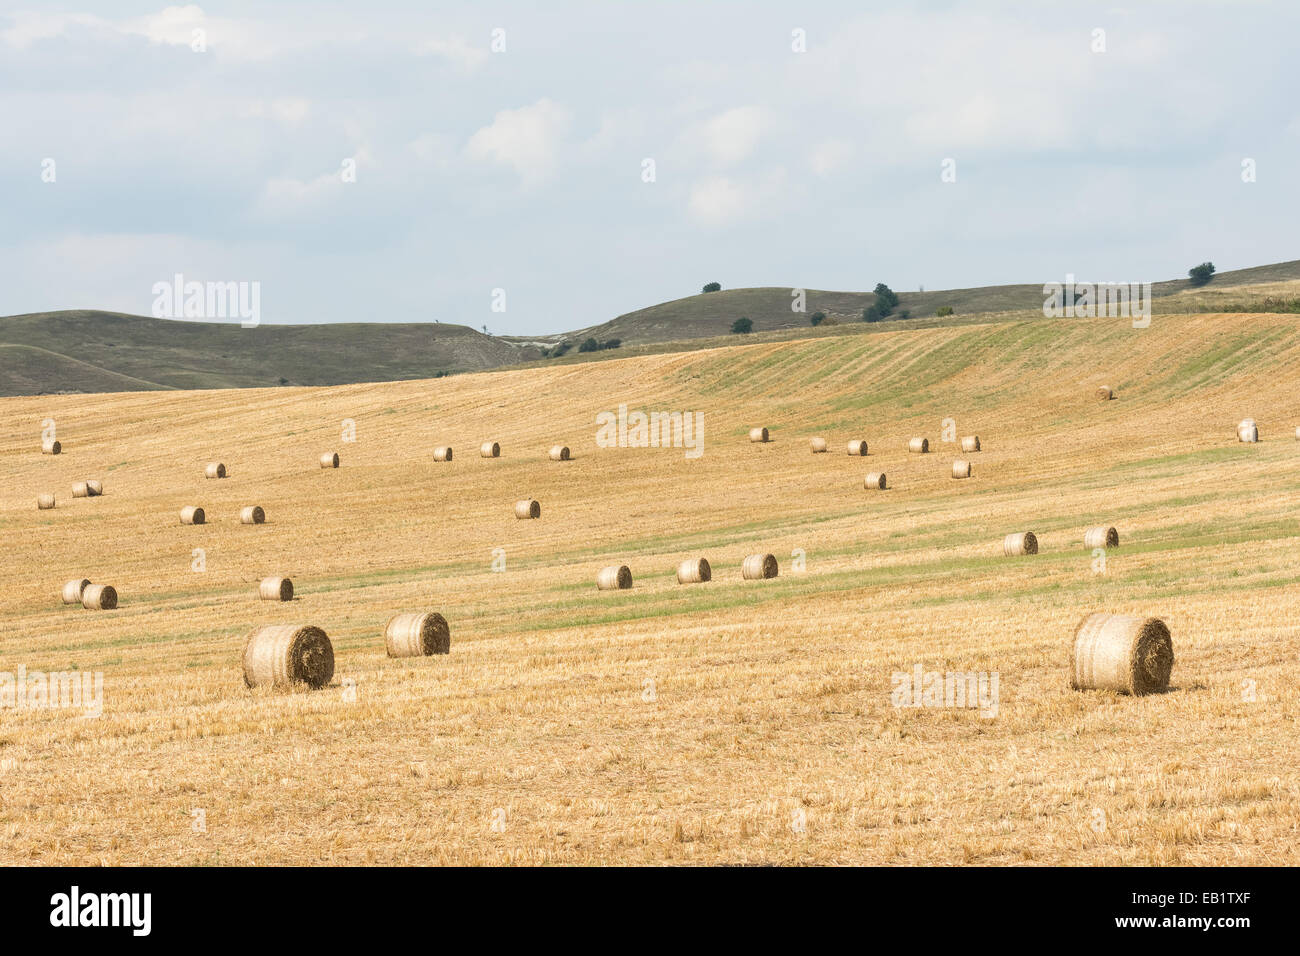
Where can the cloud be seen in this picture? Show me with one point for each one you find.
(526, 139)
(730, 137)
(454, 48)
(29, 27)
(828, 156)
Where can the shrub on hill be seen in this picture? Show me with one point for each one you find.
(712, 287)
(943, 310)
(1201, 274)
(591, 345)
(817, 318)
(742, 326)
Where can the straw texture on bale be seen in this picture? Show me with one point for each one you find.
(1101, 537)
(80, 490)
(961, 469)
(281, 655)
(73, 591)
(215, 469)
(694, 571)
(970, 443)
(528, 508)
(51, 447)
(45, 502)
(1248, 430)
(1022, 542)
(857, 447)
(329, 460)
(275, 589)
(417, 635)
(875, 480)
(559, 453)
(758, 567)
(95, 488)
(490, 449)
(1105, 393)
(192, 515)
(1122, 652)
(253, 514)
(758, 434)
(442, 453)
(919, 445)
(616, 577)
(99, 597)
(819, 444)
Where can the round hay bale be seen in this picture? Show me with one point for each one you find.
(253, 514)
(1101, 537)
(329, 460)
(51, 447)
(919, 446)
(559, 453)
(99, 597)
(1297, 434)
(694, 571)
(417, 635)
(275, 589)
(281, 655)
(193, 515)
(1248, 431)
(215, 469)
(442, 453)
(1105, 393)
(616, 577)
(1022, 542)
(857, 448)
(45, 502)
(970, 443)
(95, 488)
(74, 590)
(489, 449)
(758, 567)
(1122, 652)
(758, 434)
(875, 480)
(819, 444)
(528, 508)
(961, 468)
(79, 490)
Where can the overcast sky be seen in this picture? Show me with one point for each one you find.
(524, 169)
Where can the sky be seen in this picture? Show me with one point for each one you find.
(539, 168)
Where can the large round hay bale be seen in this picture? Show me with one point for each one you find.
(45, 502)
(1122, 652)
(95, 488)
(489, 449)
(281, 655)
(442, 453)
(215, 469)
(1104, 393)
(74, 590)
(857, 447)
(616, 577)
(79, 490)
(758, 434)
(757, 567)
(919, 446)
(819, 444)
(970, 443)
(192, 515)
(559, 453)
(329, 460)
(528, 508)
(1248, 431)
(1022, 542)
(275, 589)
(51, 447)
(1101, 537)
(694, 571)
(875, 480)
(99, 597)
(417, 635)
(961, 468)
(253, 514)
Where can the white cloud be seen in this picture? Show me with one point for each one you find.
(29, 27)
(454, 48)
(827, 156)
(290, 110)
(730, 137)
(526, 139)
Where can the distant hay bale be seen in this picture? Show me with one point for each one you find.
(857, 447)
(616, 577)
(970, 443)
(1248, 431)
(99, 597)
(192, 515)
(1297, 434)
(96, 488)
(875, 480)
(253, 514)
(275, 589)
(329, 460)
(1022, 542)
(758, 434)
(961, 469)
(45, 502)
(215, 469)
(281, 655)
(442, 453)
(1122, 652)
(694, 571)
(758, 567)
(74, 590)
(819, 444)
(417, 635)
(1101, 537)
(1105, 393)
(528, 508)
(919, 446)
(51, 448)
(79, 490)
(489, 449)
(559, 453)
